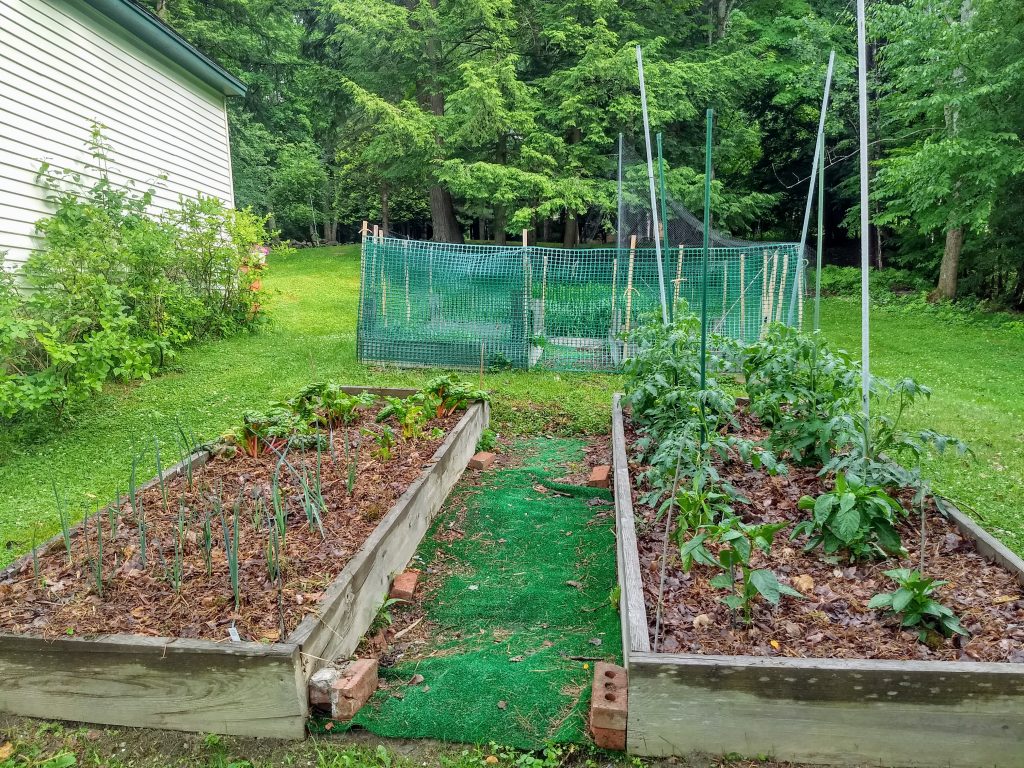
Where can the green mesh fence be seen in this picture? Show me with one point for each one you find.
(460, 306)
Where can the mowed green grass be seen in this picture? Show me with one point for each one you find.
(313, 302)
(88, 456)
(978, 396)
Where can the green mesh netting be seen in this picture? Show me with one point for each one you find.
(460, 306)
(531, 572)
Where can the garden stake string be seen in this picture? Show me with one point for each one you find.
(664, 548)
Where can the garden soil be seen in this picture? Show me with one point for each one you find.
(513, 612)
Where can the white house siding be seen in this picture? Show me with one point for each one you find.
(63, 67)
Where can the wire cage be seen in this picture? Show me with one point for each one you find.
(464, 306)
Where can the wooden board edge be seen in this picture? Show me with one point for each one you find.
(812, 664)
(474, 421)
(161, 646)
(988, 545)
(632, 610)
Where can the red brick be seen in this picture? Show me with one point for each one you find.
(599, 477)
(404, 585)
(482, 460)
(609, 738)
(353, 689)
(608, 702)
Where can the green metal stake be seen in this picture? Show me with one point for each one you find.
(704, 269)
(664, 215)
(821, 227)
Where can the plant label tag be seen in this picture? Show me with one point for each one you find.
(233, 634)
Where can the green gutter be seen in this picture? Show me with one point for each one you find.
(151, 31)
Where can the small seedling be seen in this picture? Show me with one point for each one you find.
(913, 601)
(65, 522)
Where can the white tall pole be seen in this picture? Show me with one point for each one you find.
(865, 326)
(650, 178)
(818, 144)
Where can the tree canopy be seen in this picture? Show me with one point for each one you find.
(478, 118)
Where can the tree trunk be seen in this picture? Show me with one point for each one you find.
(571, 235)
(545, 230)
(950, 263)
(385, 210)
(442, 207)
(500, 237)
(161, 9)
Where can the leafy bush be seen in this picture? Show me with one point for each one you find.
(115, 290)
(856, 517)
(913, 600)
(845, 281)
(804, 391)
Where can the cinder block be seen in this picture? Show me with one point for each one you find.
(353, 688)
(482, 460)
(404, 585)
(608, 702)
(599, 477)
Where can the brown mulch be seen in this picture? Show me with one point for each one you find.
(834, 621)
(141, 600)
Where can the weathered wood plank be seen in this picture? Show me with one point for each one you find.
(987, 544)
(245, 689)
(828, 711)
(355, 596)
(632, 612)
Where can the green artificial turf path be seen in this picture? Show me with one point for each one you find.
(522, 612)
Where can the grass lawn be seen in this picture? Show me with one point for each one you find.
(974, 371)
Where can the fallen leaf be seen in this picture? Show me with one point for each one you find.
(595, 641)
(329, 725)
(516, 659)
(803, 583)
(572, 583)
(501, 705)
(1005, 599)
(774, 644)
(6, 750)
(491, 759)
(701, 621)
(416, 679)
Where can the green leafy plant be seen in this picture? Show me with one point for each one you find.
(488, 440)
(913, 601)
(880, 447)
(856, 517)
(735, 542)
(384, 439)
(114, 289)
(804, 391)
(453, 394)
(411, 414)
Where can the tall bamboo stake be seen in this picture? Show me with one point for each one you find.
(865, 327)
(771, 288)
(629, 280)
(764, 290)
(725, 291)
(408, 306)
(679, 278)
(615, 283)
(650, 179)
(782, 290)
(743, 296)
(544, 291)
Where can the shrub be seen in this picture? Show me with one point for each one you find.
(114, 290)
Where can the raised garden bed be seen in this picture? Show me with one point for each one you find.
(823, 679)
(153, 646)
